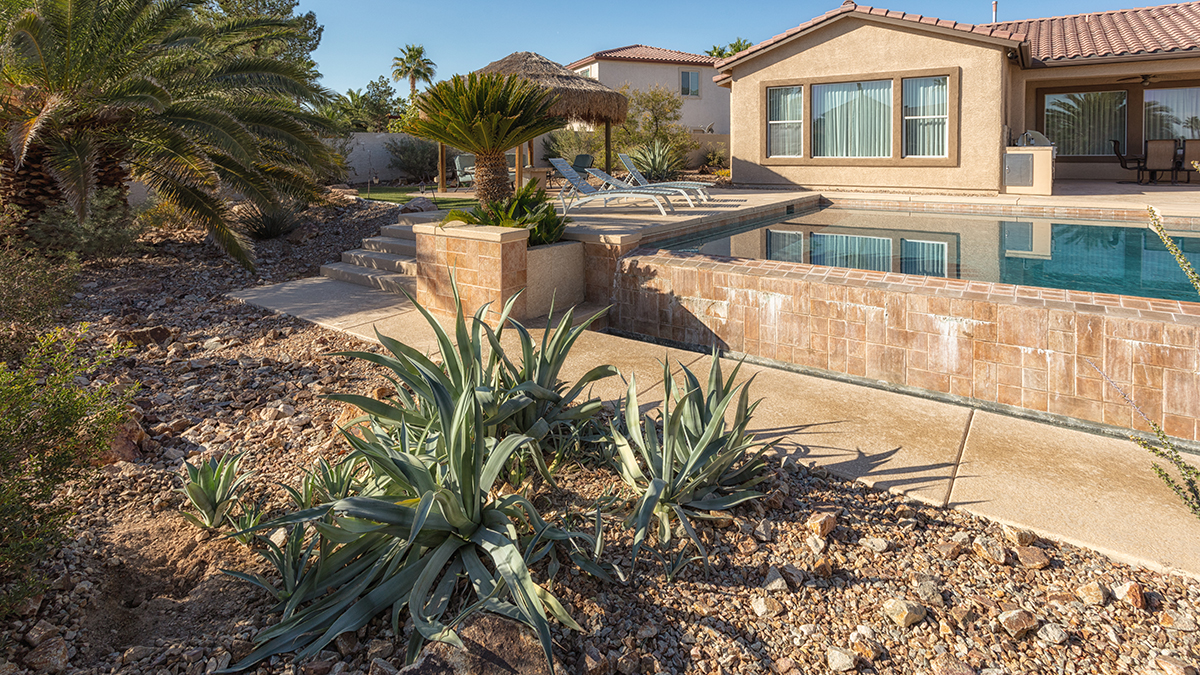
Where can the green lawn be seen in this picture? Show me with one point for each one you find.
(400, 195)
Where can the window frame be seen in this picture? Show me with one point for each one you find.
(905, 118)
(954, 77)
(686, 97)
(803, 125)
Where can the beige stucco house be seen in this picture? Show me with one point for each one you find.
(705, 105)
(864, 97)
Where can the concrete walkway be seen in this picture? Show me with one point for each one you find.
(1068, 485)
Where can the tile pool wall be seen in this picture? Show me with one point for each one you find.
(1012, 347)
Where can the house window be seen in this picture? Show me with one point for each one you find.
(852, 119)
(926, 109)
(584, 72)
(927, 258)
(1086, 123)
(689, 83)
(785, 126)
(845, 250)
(1172, 113)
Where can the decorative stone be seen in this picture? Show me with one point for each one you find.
(875, 544)
(946, 664)
(494, 646)
(720, 519)
(963, 616)
(418, 205)
(1019, 537)
(1017, 622)
(592, 662)
(380, 649)
(1170, 665)
(52, 655)
(1131, 593)
(866, 647)
(903, 612)
(816, 543)
(8, 668)
(794, 576)
(765, 531)
(346, 643)
(821, 524)
(765, 606)
(1032, 557)
(1177, 621)
(647, 631)
(822, 568)
(135, 654)
(1092, 593)
(949, 549)
(840, 660)
(747, 546)
(774, 581)
(930, 594)
(43, 630)
(991, 550)
(1053, 633)
(381, 667)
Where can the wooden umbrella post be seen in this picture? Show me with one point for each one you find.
(441, 177)
(520, 169)
(607, 146)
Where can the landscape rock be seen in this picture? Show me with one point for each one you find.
(929, 593)
(821, 524)
(126, 444)
(822, 568)
(991, 550)
(1092, 593)
(765, 531)
(1177, 621)
(903, 612)
(1053, 633)
(1170, 665)
(1019, 537)
(380, 649)
(875, 544)
(381, 667)
(1032, 557)
(840, 660)
(720, 519)
(947, 664)
(592, 662)
(346, 643)
(50, 656)
(765, 606)
(43, 630)
(774, 581)
(494, 646)
(1131, 593)
(1018, 622)
(949, 550)
(816, 544)
(418, 205)
(794, 576)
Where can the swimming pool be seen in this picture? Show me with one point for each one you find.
(1098, 256)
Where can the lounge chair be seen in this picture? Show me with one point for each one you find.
(580, 164)
(1191, 155)
(581, 193)
(1160, 158)
(701, 189)
(611, 183)
(464, 170)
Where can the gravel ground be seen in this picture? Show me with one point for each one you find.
(825, 575)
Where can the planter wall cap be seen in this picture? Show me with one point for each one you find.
(461, 230)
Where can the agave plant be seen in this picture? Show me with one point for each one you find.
(701, 464)
(213, 488)
(658, 161)
(290, 561)
(244, 523)
(428, 515)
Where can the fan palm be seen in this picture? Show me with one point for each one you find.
(485, 114)
(95, 92)
(414, 65)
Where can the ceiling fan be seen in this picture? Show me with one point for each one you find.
(1146, 80)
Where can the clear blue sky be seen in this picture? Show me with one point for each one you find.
(362, 36)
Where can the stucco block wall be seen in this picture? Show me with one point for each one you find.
(712, 107)
(862, 50)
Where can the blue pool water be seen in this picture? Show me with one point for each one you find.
(1103, 257)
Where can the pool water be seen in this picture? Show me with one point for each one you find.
(1097, 256)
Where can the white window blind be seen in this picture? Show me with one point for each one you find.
(1172, 113)
(785, 126)
(852, 119)
(926, 116)
(689, 83)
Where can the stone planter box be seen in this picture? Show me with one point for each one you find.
(553, 274)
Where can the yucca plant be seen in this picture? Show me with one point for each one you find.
(428, 516)
(270, 221)
(701, 464)
(658, 161)
(244, 523)
(213, 488)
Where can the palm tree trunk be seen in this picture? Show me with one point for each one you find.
(29, 188)
(412, 85)
(491, 177)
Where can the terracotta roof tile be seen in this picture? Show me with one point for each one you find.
(1124, 32)
(849, 7)
(646, 53)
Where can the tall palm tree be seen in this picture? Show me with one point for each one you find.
(485, 114)
(413, 65)
(94, 92)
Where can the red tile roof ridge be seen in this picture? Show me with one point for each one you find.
(1125, 10)
(647, 53)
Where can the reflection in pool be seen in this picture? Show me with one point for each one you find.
(1085, 256)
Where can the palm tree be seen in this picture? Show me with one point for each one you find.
(485, 114)
(95, 92)
(413, 65)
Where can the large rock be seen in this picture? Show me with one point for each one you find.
(840, 660)
(50, 656)
(1093, 593)
(494, 646)
(821, 524)
(126, 445)
(1131, 593)
(903, 612)
(1018, 622)
(946, 664)
(418, 205)
(143, 337)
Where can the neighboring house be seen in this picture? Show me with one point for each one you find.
(864, 97)
(689, 75)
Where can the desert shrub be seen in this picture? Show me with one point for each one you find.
(426, 512)
(269, 222)
(32, 290)
(567, 143)
(157, 214)
(658, 161)
(51, 426)
(654, 115)
(110, 228)
(723, 173)
(528, 208)
(700, 464)
(1182, 478)
(714, 157)
(417, 158)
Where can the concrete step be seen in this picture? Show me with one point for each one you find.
(410, 219)
(398, 232)
(390, 245)
(389, 262)
(362, 276)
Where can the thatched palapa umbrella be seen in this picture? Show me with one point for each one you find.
(580, 99)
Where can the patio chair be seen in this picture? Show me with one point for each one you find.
(464, 170)
(1160, 158)
(1191, 155)
(581, 192)
(1129, 162)
(611, 183)
(580, 164)
(701, 189)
